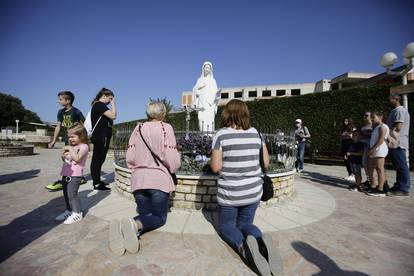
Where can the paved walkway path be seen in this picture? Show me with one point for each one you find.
(309, 205)
(325, 230)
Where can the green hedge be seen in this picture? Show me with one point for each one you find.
(322, 113)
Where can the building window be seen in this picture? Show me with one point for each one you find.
(184, 100)
(266, 93)
(224, 95)
(189, 100)
(252, 94)
(238, 94)
(281, 92)
(295, 92)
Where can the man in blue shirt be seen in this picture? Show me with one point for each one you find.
(399, 121)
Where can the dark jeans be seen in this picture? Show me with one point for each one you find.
(70, 192)
(152, 208)
(348, 166)
(300, 156)
(236, 223)
(400, 164)
(100, 142)
(344, 149)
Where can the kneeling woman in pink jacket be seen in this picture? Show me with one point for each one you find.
(152, 154)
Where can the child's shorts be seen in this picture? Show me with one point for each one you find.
(356, 168)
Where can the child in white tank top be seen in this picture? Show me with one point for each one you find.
(378, 150)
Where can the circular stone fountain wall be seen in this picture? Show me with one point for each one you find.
(198, 192)
(18, 150)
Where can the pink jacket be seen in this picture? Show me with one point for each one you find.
(146, 174)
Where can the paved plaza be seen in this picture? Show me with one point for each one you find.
(324, 230)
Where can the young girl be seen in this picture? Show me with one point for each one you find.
(74, 158)
(378, 150)
(346, 141)
(354, 155)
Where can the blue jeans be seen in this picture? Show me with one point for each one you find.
(236, 223)
(400, 164)
(152, 208)
(300, 156)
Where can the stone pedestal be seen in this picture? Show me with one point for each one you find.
(199, 192)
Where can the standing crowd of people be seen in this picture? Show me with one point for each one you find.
(367, 147)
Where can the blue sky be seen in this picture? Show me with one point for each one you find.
(143, 49)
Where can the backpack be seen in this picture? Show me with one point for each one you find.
(88, 124)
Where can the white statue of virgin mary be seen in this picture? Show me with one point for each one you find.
(205, 97)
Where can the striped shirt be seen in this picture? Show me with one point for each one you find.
(240, 181)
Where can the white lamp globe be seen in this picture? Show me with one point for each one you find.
(406, 61)
(409, 50)
(388, 59)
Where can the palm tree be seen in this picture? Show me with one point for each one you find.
(167, 103)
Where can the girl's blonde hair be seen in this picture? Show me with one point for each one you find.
(80, 131)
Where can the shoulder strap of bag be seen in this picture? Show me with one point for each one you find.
(93, 129)
(261, 153)
(156, 158)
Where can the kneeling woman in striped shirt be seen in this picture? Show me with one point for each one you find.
(236, 157)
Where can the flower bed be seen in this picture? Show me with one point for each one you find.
(197, 185)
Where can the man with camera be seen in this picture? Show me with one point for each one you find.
(302, 136)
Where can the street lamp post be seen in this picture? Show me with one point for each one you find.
(390, 58)
(17, 129)
(408, 59)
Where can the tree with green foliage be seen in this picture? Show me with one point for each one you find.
(12, 109)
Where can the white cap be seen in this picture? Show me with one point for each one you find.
(298, 121)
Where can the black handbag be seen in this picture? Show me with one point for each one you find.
(267, 182)
(158, 160)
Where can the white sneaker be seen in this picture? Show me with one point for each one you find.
(130, 232)
(116, 238)
(63, 216)
(74, 217)
(351, 178)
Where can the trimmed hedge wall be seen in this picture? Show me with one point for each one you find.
(322, 113)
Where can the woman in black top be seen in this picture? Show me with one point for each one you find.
(102, 119)
(346, 140)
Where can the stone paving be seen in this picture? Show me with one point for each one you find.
(324, 230)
